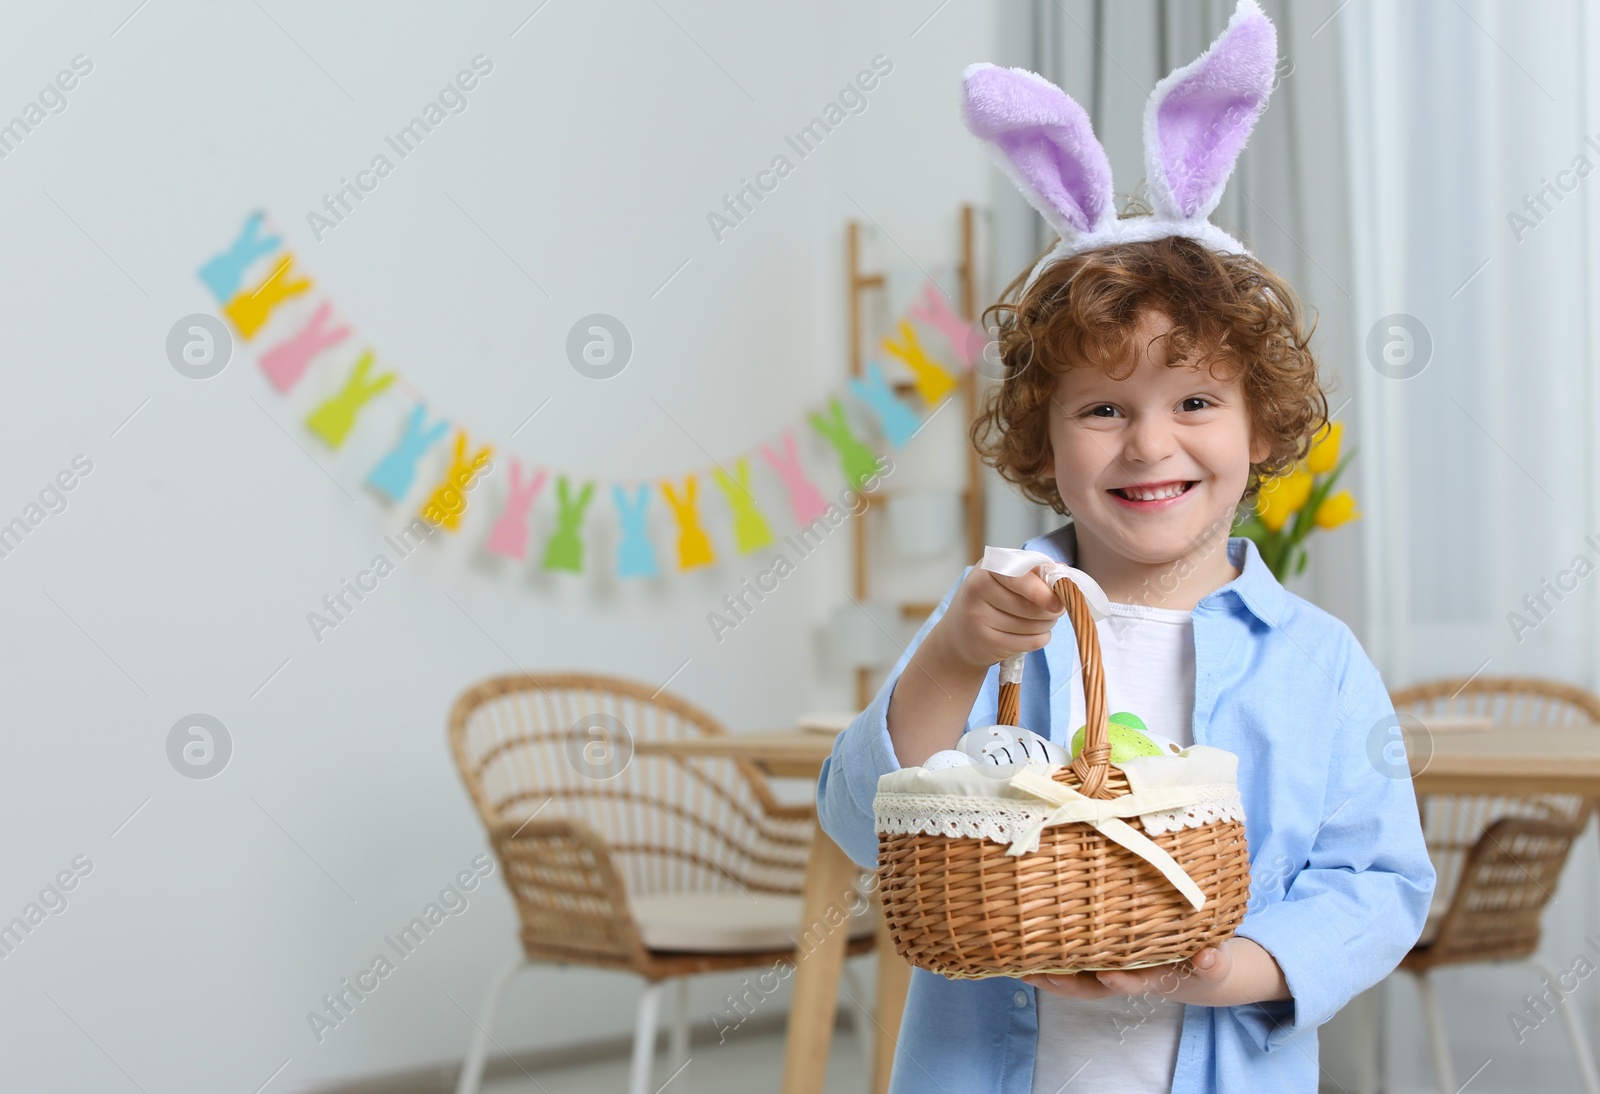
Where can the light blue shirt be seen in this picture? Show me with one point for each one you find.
(1340, 875)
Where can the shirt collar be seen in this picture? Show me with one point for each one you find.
(1255, 587)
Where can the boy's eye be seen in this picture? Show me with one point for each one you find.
(1204, 404)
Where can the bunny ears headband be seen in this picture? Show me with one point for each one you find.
(1195, 125)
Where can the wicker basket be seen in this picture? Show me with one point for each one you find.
(970, 908)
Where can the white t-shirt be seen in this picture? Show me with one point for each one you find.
(1123, 1044)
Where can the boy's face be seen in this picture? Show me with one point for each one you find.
(1158, 427)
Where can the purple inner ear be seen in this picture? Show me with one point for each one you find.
(1059, 178)
(1204, 112)
(1202, 132)
(1045, 139)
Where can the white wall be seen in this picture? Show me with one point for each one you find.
(179, 576)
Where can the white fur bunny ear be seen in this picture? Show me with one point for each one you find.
(1199, 117)
(1044, 143)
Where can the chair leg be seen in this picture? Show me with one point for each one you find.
(1384, 1006)
(1594, 823)
(644, 1038)
(1438, 1039)
(1569, 1018)
(1372, 1057)
(477, 1051)
(679, 1046)
(860, 1017)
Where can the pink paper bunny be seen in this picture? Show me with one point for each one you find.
(510, 535)
(287, 361)
(965, 338)
(804, 500)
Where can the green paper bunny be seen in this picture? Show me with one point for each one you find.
(565, 549)
(860, 462)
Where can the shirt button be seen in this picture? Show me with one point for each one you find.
(1021, 998)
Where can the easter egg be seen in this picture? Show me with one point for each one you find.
(946, 758)
(1009, 745)
(1129, 738)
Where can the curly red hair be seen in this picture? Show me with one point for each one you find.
(1082, 312)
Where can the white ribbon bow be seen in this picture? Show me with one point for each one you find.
(1105, 815)
(1013, 562)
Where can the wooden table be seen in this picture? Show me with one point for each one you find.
(829, 872)
(1506, 758)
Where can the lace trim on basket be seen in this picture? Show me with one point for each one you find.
(992, 819)
(1228, 808)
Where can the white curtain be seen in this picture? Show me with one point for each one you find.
(1485, 486)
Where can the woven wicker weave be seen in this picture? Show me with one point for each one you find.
(965, 908)
(574, 845)
(1498, 857)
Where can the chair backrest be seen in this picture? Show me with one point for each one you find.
(559, 746)
(1524, 700)
(1491, 908)
(1508, 878)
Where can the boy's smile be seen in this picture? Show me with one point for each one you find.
(1152, 467)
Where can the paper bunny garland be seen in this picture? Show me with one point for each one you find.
(1196, 123)
(255, 280)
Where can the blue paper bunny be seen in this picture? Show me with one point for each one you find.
(395, 472)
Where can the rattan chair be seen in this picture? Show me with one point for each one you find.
(1498, 857)
(645, 864)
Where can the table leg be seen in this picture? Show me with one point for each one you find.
(1595, 823)
(829, 876)
(894, 977)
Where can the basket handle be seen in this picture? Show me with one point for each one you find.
(1084, 604)
(1092, 764)
(1010, 710)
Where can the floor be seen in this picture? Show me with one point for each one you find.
(742, 1064)
(752, 1060)
(755, 1062)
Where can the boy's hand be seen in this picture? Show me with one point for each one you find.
(993, 616)
(1238, 971)
(990, 618)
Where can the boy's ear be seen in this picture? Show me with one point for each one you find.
(1260, 448)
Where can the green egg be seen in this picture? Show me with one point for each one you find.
(1123, 730)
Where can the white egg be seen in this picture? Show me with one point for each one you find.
(945, 758)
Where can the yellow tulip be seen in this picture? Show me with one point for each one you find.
(1324, 448)
(1282, 496)
(1271, 515)
(1336, 509)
